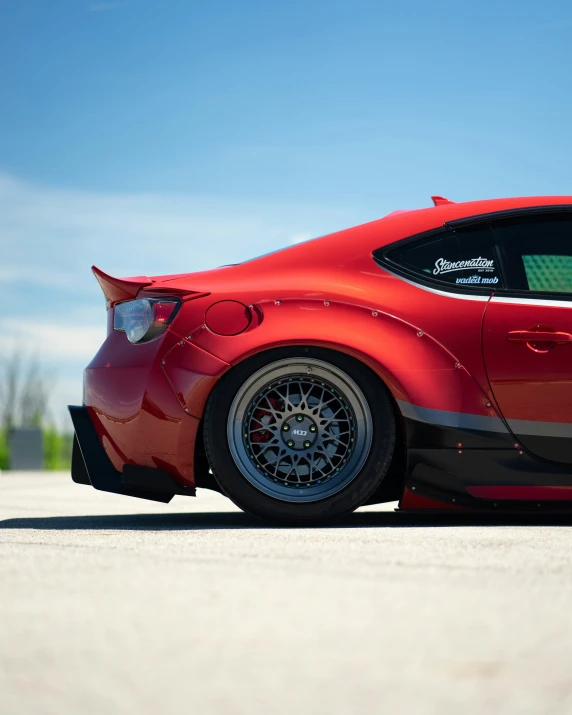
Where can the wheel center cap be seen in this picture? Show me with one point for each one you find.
(299, 432)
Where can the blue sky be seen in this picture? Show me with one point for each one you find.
(166, 135)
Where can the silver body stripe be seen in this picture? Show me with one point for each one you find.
(541, 429)
(482, 423)
(532, 301)
(444, 293)
(460, 420)
(497, 298)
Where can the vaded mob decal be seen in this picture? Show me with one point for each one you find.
(442, 265)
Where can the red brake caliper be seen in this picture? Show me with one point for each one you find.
(264, 418)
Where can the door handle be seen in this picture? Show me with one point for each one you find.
(531, 336)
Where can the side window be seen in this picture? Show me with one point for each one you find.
(463, 258)
(537, 252)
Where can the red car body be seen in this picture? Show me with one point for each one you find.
(484, 409)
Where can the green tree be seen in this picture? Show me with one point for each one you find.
(24, 394)
(24, 391)
(57, 449)
(3, 450)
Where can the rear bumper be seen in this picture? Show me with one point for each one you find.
(91, 465)
(146, 401)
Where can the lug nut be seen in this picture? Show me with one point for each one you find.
(299, 418)
(286, 428)
(313, 428)
(306, 444)
(290, 443)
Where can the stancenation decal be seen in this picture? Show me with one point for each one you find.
(442, 266)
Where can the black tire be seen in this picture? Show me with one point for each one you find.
(246, 494)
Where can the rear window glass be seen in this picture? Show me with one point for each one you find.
(463, 258)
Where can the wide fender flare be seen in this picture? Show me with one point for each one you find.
(414, 366)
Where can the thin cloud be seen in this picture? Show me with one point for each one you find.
(50, 237)
(63, 342)
(299, 238)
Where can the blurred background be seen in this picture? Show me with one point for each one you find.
(161, 136)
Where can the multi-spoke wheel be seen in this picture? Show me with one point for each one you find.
(299, 430)
(307, 437)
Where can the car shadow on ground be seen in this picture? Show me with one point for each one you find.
(207, 521)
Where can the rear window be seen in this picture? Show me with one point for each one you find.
(464, 258)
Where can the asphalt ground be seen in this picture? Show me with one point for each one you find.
(114, 605)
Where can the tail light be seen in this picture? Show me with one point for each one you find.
(143, 320)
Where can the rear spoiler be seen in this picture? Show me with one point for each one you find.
(117, 289)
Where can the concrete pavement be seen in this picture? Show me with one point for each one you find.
(114, 605)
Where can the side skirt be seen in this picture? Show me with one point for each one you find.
(485, 479)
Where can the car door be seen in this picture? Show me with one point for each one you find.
(527, 331)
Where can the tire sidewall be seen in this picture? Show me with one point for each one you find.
(245, 495)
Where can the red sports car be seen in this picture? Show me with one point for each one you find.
(425, 357)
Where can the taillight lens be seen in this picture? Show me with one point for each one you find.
(143, 320)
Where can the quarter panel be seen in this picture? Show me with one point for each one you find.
(415, 367)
